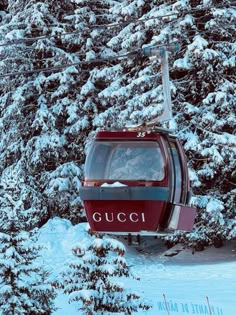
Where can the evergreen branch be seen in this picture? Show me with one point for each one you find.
(110, 25)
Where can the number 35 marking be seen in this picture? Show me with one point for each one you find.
(141, 134)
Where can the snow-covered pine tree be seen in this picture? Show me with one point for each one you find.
(31, 207)
(24, 286)
(94, 279)
(205, 76)
(46, 115)
(36, 107)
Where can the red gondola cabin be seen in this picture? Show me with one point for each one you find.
(137, 182)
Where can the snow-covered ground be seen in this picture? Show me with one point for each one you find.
(199, 283)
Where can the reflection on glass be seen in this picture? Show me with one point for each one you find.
(125, 161)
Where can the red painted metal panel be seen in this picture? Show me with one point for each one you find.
(124, 215)
(186, 218)
(126, 135)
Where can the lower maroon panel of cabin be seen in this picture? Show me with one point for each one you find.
(124, 215)
(183, 218)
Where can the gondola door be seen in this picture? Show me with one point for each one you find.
(179, 214)
(178, 168)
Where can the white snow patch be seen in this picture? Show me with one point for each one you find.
(116, 184)
(186, 283)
